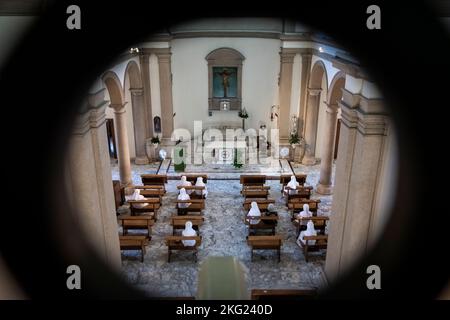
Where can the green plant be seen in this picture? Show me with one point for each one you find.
(294, 138)
(243, 114)
(237, 163)
(155, 140)
(179, 164)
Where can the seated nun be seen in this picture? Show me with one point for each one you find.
(183, 196)
(185, 183)
(137, 196)
(304, 214)
(293, 184)
(310, 231)
(200, 183)
(254, 212)
(188, 232)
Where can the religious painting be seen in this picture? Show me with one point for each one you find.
(157, 124)
(225, 82)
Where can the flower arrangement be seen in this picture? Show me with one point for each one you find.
(243, 114)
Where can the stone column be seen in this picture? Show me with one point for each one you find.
(165, 83)
(145, 74)
(306, 71)
(326, 165)
(363, 130)
(287, 61)
(122, 144)
(140, 135)
(312, 113)
(91, 181)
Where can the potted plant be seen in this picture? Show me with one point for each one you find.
(294, 139)
(243, 115)
(179, 164)
(155, 141)
(237, 161)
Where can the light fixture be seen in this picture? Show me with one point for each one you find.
(134, 50)
(320, 49)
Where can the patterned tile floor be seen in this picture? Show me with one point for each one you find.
(223, 235)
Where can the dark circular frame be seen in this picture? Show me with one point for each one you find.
(51, 70)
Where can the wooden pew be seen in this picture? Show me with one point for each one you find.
(154, 180)
(151, 191)
(285, 178)
(152, 207)
(134, 243)
(265, 243)
(136, 223)
(283, 294)
(192, 178)
(320, 223)
(179, 222)
(302, 193)
(174, 243)
(265, 223)
(252, 180)
(321, 243)
(197, 206)
(193, 195)
(255, 192)
(119, 194)
(263, 204)
(296, 206)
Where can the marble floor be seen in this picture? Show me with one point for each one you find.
(223, 234)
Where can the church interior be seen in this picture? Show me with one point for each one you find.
(233, 139)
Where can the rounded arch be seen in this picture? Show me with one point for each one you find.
(133, 72)
(225, 53)
(336, 86)
(114, 87)
(318, 71)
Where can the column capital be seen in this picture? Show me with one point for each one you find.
(372, 124)
(137, 91)
(118, 108)
(287, 57)
(164, 57)
(314, 91)
(332, 107)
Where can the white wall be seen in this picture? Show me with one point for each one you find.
(190, 80)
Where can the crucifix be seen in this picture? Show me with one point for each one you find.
(225, 74)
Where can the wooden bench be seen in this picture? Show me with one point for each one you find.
(197, 206)
(296, 206)
(179, 222)
(152, 207)
(134, 243)
(154, 180)
(285, 179)
(320, 223)
(151, 191)
(192, 178)
(252, 180)
(283, 294)
(193, 195)
(255, 192)
(265, 243)
(321, 243)
(263, 204)
(302, 193)
(136, 223)
(265, 223)
(174, 243)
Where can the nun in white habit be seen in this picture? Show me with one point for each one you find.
(185, 183)
(200, 183)
(137, 196)
(188, 232)
(183, 196)
(293, 184)
(310, 231)
(305, 213)
(254, 212)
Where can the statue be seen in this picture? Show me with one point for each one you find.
(294, 124)
(225, 74)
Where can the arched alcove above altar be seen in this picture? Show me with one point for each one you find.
(225, 79)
